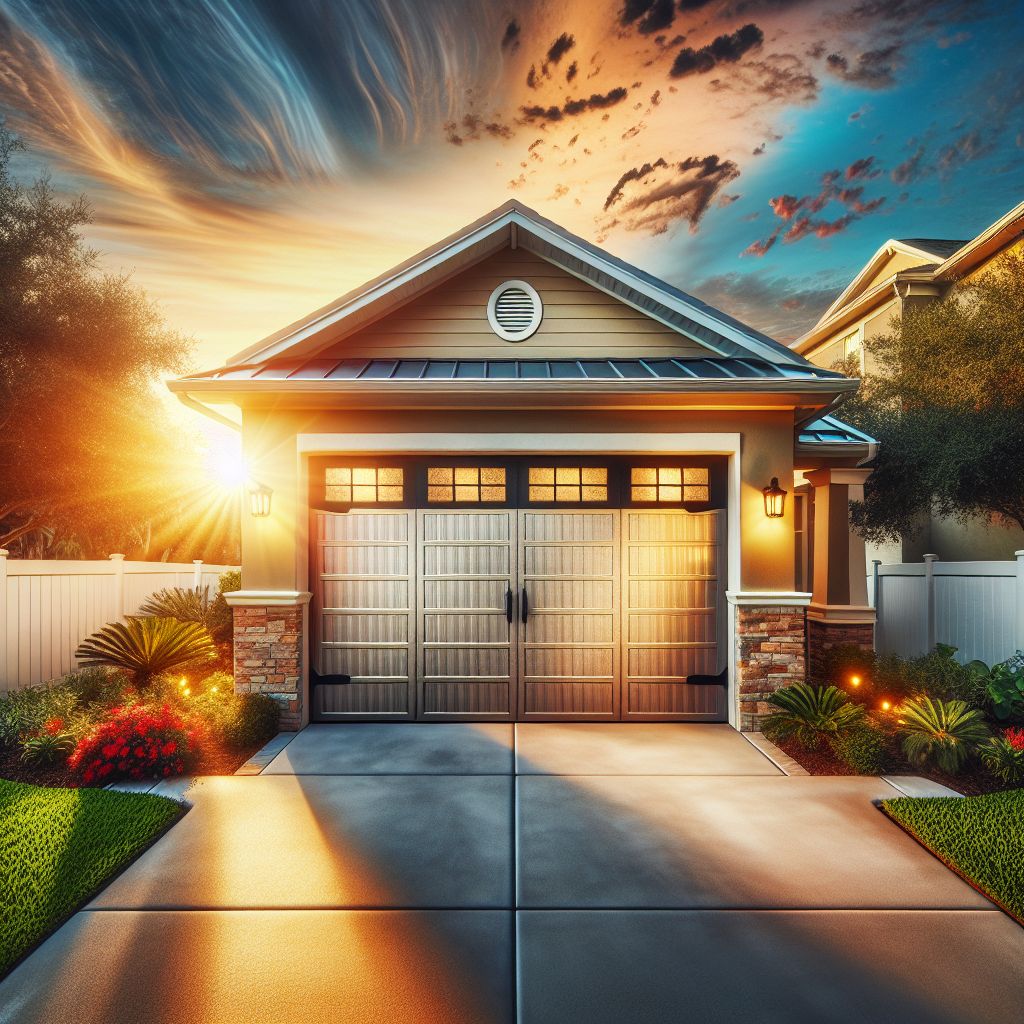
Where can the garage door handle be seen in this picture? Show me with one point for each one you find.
(524, 606)
(509, 598)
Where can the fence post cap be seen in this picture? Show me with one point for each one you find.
(117, 558)
(4, 552)
(876, 561)
(1016, 554)
(931, 558)
(197, 561)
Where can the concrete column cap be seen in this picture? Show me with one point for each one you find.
(768, 598)
(267, 598)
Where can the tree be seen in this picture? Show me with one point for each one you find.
(945, 400)
(90, 461)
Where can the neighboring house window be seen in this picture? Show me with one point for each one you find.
(574, 484)
(851, 345)
(669, 484)
(371, 485)
(450, 484)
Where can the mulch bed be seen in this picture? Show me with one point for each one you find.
(217, 761)
(972, 781)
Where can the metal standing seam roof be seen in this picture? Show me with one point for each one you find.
(828, 430)
(633, 369)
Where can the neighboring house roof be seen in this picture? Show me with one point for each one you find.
(995, 237)
(406, 371)
(940, 248)
(944, 260)
(519, 226)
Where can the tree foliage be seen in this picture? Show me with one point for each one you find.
(91, 460)
(944, 396)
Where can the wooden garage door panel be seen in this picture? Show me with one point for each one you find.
(569, 643)
(467, 665)
(671, 605)
(365, 621)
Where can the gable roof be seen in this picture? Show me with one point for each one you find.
(516, 225)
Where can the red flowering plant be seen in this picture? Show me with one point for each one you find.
(137, 742)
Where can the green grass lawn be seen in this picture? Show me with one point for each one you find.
(980, 837)
(58, 847)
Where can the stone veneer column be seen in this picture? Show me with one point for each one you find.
(270, 631)
(770, 650)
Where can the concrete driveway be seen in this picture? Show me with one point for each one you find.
(536, 873)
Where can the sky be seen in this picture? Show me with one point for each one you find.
(249, 160)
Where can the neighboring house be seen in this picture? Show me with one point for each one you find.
(904, 272)
(515, 478)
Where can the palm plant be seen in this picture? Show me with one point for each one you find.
(810, 713)
(147, 646)
(1003, 756)
(941, 732)
(185, 605)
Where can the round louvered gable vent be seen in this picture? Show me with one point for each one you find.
(514, 310)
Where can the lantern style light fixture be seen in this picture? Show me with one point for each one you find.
(259, 499)
(774, 499)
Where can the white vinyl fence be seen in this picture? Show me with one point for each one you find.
(48, 607)
(976, 607)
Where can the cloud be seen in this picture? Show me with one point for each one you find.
(660, 16)
(860, 112)
(781, 307)
(510, 40)
(560, 47)
(725, 49)
(961, 151)
(758, 150)
(862, 168)
(655, 196)
(945, 42)
(473, 127)
(572, 108)
(798, 216)
(910, 169)
(572, 71)
(873, 69)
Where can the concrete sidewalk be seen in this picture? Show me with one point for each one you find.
(576, 873)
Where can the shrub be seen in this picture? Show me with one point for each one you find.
(24, 712)
(96, 688)
(1003, 756)
(136, 742)
(235, 720)
(863, 748)
(183, 604)
(147, 646)
(940, 732)
(1002, 687)
(49, 745)
(222, 621)
(890, 677)
(809, 713)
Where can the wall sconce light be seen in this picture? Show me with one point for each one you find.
(259, 500)
(774, 499)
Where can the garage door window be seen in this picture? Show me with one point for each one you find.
(668, 484)
(466, 484)
(568, 484)
(364, 485)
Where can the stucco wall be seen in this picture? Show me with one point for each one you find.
(274, 550)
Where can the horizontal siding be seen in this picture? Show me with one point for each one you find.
(579, 319)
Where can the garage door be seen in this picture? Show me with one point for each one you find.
(538, 614)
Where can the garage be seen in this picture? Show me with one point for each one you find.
(536, 589)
